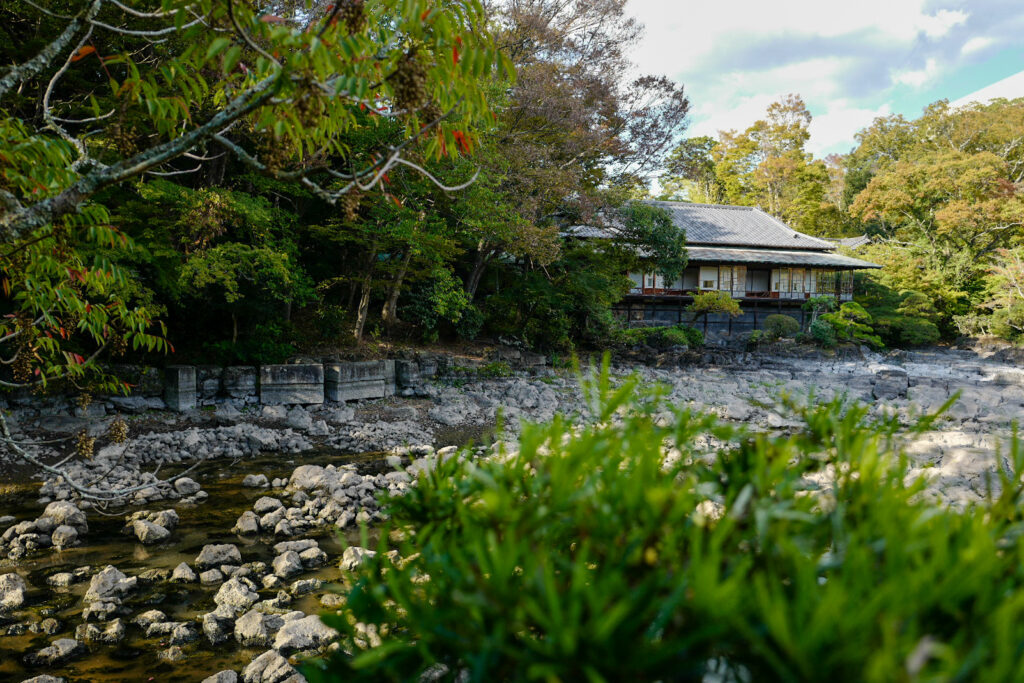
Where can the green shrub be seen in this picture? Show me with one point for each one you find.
(495, 369)
(587, 557)
(823, 333)
(755, 339)
(851, 323)
(778, 326)
(660, 337)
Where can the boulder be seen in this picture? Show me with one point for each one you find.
(214, 555)
(64, 536)
(236, 595)
(297, 546)
(271, 667)
(298, 418)
(307, 478)
(248, 524)
(168, 519)
(148, 532)
(60, 651)
(44, 678)
(256, 629)
(186, 486)
(211, 576)
(287, 564)
(216, 627)
(147, 619)
(64, 512)
(226, 676)
(354, 556)
(112, 633)
(12, 591)
(110, 585)
(308, 633)
(256, 481)
(890, 384)
(183, 574)
(266, 505)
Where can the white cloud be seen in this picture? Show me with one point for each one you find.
(917, 77)
(942, 22)
(849, 61)
(833, 130)
(976, 44)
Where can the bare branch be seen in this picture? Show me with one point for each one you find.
(35, 65)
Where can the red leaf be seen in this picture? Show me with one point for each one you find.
(271, 19)
(384, 177)
(362, 107)
(423, 17)
(83, 52)
(455, 55)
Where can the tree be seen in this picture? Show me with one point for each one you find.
(113, 93)
(713, 303)
(690, 172)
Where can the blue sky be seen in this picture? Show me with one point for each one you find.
(851, 61)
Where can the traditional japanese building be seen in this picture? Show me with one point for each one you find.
(759, 260)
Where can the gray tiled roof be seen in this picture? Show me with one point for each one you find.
(737, 226)
(852, 242)
(778, 257)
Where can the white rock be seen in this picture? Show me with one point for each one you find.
(148, 532)
(266, 504)
(64, 536)
(183, 573)
(186, 486)
(271, 667)
(226, 676)
(237, 595)
(109, 585)
(214, 555)
(257, 629)
(12, 591)
(65, 512)
(308, 633)
(248, 524)
(287, 564)
(256, 481)
(354, 556)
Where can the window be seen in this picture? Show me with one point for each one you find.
(739, 278)
(797, 282)
(783, 280)
(725, 278)
(709, 277)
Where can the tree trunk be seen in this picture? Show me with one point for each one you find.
(483, 257)
(234, 328)
(389, 314)
(363, 310)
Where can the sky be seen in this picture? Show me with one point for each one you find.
(850, 61)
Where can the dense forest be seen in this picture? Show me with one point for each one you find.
(428, 202)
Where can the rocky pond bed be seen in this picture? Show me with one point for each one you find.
(222, 573)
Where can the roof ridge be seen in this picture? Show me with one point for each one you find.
(796, 233)
(712, 206)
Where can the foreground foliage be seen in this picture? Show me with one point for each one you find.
(588, 556)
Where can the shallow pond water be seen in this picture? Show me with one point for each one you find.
(135, 658)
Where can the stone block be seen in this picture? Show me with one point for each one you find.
(890, 384)
(180, 387)
(407, 374)
(355, 381)
(240, 381)
(208, 381)
(301, 383)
